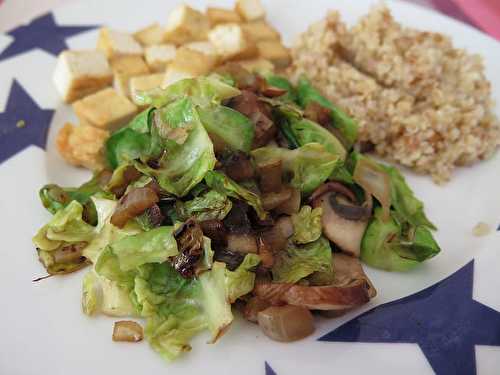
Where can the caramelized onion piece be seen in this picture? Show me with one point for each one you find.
(128, 331)
(286, 323)
(189, 237)
(134, 203)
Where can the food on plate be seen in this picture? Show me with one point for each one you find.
(80, 73)
(105, 109)
(191, 44)
(229, 188)
(419, 100)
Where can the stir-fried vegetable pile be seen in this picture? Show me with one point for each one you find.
(232, 189)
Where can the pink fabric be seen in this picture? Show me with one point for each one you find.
(485, 13)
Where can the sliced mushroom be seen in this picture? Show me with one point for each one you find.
(351, 288)
(344, 221)
(348, 269)
(272, 200)
(329, 297)
(286, 323)
(292, 205)
(253, 307)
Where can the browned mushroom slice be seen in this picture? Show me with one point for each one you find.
(292, 205)
(344, 221)
(347, 269)
(286, 323)
(330, 297)
(272, 200)
(351, 288)
(253, 307)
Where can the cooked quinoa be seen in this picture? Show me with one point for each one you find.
(420, 101)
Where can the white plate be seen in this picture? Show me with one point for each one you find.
(43, 329)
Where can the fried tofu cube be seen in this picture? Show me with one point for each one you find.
(116, 43)
(125, 67)
(185, 24)
(145, 83)
(217, 16)
(149, 36)
(206, 48)
(82, 145)
(250, 10)
(80, 73)
(275, 52)
(105, 109)
(231, 42)
(260, 30)
(188, 64)
(258, 65)
(159, 56)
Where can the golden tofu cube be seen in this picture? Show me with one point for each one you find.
(125, 67)
(185, 24)
(275, 52)
(159, 56)
(105, 109)
(80, 73)
(220, 15)
(260, 30)
(231, 42)
(116, 43)
(82, 145)
(145, 83)
(250, 10)
(188, 64)
(150, 35)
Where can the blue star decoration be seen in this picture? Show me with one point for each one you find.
(23, 123)
(269, 369)
(443, 320)
(41, 33)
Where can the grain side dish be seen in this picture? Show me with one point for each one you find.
(419, 101)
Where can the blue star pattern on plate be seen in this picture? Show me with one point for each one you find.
(269, 369)
(41, 33)
(23, 123)
(443, 320)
